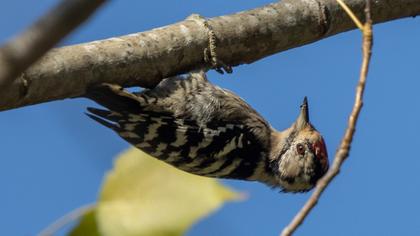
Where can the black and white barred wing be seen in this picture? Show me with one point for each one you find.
(228, 150)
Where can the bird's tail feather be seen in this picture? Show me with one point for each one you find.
(114, 97)
(101, 120)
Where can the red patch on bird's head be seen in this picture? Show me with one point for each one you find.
(321, 153)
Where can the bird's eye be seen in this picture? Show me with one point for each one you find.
(300, 149)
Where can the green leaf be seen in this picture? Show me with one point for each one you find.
(144, 196)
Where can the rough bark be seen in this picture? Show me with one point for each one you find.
(143, 59)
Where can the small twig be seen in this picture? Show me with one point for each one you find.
(349, 12)
(66, 219)
(19, 53)
(344, 148)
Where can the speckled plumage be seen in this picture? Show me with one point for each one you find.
(205, 130)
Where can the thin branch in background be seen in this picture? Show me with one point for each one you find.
(75, 214)
(344, 148)
(349, 12)
(19, 53)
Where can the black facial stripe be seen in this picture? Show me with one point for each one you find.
(274, 165)
(307, 142)
(288, 142)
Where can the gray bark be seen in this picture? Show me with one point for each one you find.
(143, 59)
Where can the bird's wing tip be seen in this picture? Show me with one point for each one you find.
(100, 118)
(99, 112)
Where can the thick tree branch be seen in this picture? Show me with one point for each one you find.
(145, 58)
(19, 53)
(344, 148)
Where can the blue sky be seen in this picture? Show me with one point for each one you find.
(53, 157)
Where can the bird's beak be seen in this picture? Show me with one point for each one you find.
(303, 118)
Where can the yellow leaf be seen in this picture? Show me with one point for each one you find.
(143, 196)
(87, 226)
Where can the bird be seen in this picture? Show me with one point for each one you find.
(198, 127)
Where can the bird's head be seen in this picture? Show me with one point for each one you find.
(299, 156)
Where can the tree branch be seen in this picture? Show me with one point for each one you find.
(143, 59)
(18, 54)
(68, 218)
(344, 148)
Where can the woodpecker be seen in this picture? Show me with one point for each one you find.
(205, 130)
